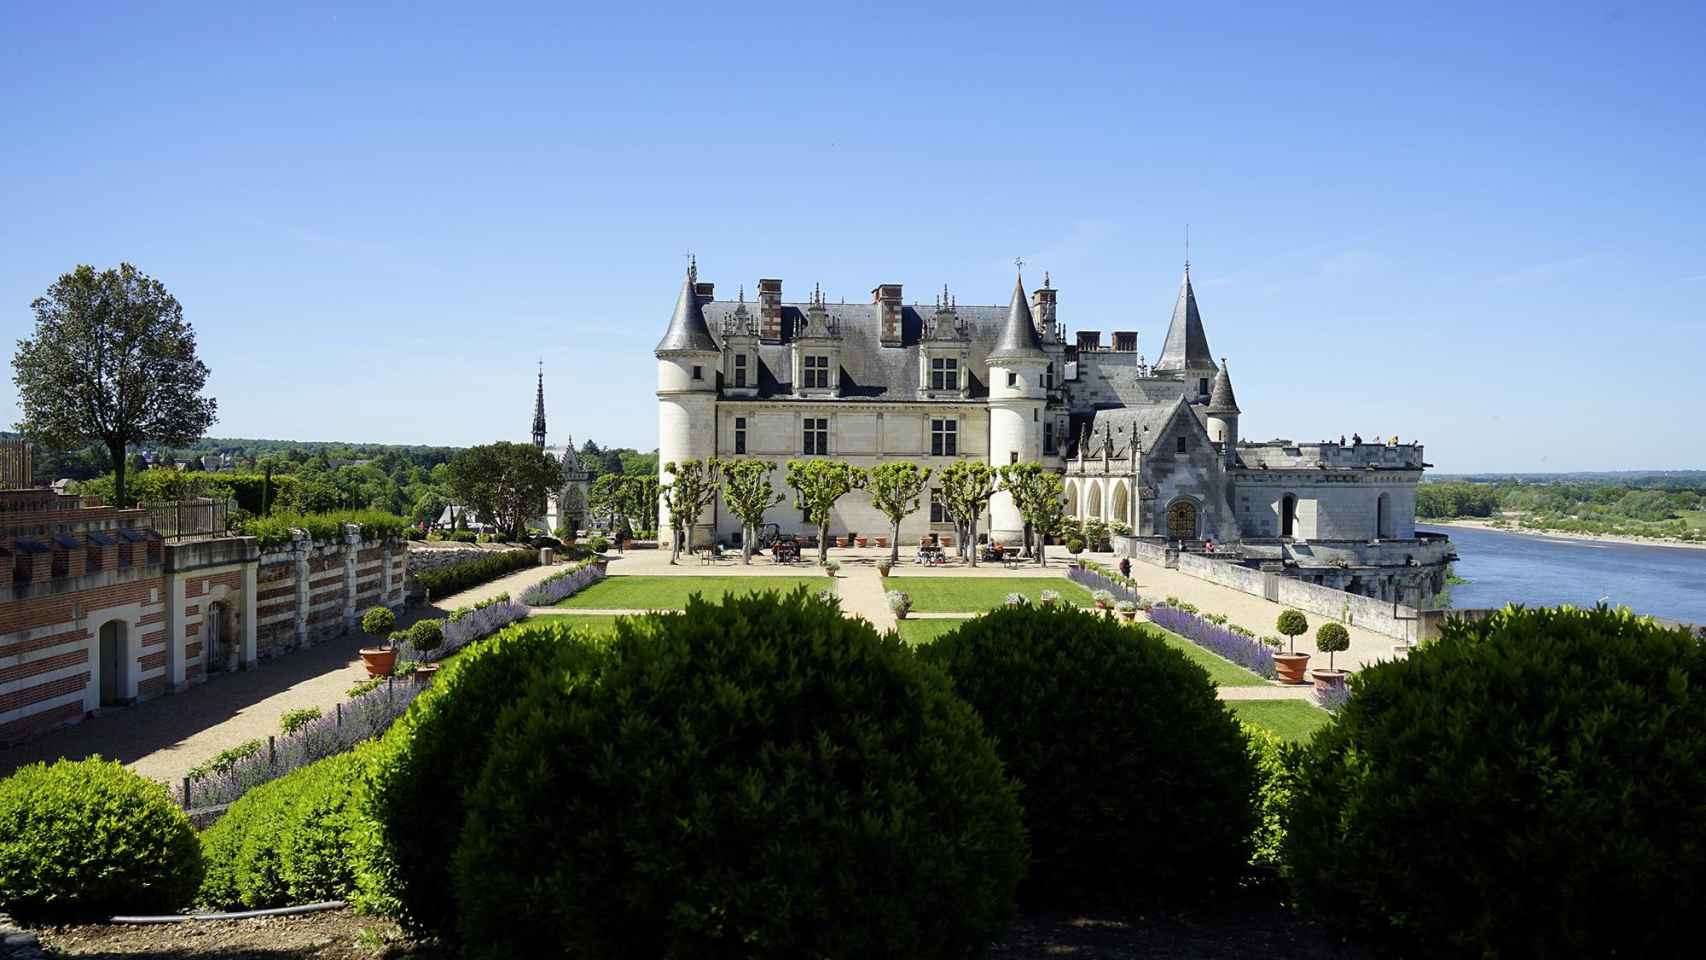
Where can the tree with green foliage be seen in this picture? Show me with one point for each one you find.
(692, 487)
(897, 489)
(1040, 496)
(1293, 624)
(966, 487)
(504, 483)
(818, 484)
(112, 362)
(1332, 638)
(748, 492)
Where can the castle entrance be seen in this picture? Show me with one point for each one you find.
(1182, 520)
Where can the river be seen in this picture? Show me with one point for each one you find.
(1545, 571)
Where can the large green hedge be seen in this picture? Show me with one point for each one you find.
(761, 778)
(85, 839)
(1276, 760)
(274, 530)
(449, 579)
(288, 842)
(1136, 779)
(1530, 785)
(425, 763)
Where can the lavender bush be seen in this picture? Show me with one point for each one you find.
(1252, 655)
(1095, 579)
(559, 586)
(1332, 698)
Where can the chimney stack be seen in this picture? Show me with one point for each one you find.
(1089, 341)
(1043, 310)
(1125, 341)
(770, 310)
(887, 295)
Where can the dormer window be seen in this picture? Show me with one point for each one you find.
(740, 369)
(1202, 386)
(816, 372)
(944, 373)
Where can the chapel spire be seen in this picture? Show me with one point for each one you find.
(1186, 347)
(539, 410)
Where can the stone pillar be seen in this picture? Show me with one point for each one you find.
(172, 599)
(351, 546)
(385, 576)
(251, 625)
(301, 548)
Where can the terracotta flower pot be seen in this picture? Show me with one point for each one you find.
(882, 541)
(378, 661)
(900, 614)
(1289, 667)
(1128, 614)
(425, 673)
(841, 541)
(1326, 680)
(860, 540)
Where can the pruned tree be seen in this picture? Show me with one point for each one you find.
(504, 483)
(748, 492)
(817, 485)
(1040, 497)
(897, 488)
(692, 487)
(111, 362)
(966, 487)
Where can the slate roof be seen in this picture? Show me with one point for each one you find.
(1186, 347)
(1147, 423)
(1221, 400)
(1018, 339)
(687, 331)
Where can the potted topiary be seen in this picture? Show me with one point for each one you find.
(882, 541)
(1330, 639)
(426, 636)
(900, 603)
(1050, 597)
(884, 566)
(1074, 546)
(378, 622)
(1102, 599)
(1127, 610)
(1289, 666)
(861, 540)
(1017, 600)
(405, 669)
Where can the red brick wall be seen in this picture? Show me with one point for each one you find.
(34, 612)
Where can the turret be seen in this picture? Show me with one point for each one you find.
(1223, 416)
(1185, 353)
(1016, 396)
(688, 361)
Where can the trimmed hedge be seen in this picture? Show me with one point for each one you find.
(1276, 761)
(424, 765)
(1136, 779)
(1530, 785)
(287, 842)
(274, 530)
(456, 577)
(86, 839)
(759, 778)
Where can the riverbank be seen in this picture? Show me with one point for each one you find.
(1565, 535)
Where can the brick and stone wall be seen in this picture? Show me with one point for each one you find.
(308, 591)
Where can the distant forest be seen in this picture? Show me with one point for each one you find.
(1666, 505)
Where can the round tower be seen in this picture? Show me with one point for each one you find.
(687, 397)
(1016, 399)
(1222, 419)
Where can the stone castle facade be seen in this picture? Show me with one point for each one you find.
(1155, 448)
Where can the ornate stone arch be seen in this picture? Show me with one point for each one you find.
(1183, 519)
(1093, 500)
(1119, 503)
(1074, 500)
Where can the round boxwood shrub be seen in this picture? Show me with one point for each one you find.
(1074, 546)
(1135, 779)
(1332, 638)
(759, 778)
(378, 621)
(83, 839)
(426, 761)
(1521, 786)
(287, 842)
(427, 635)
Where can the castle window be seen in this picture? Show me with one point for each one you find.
(1012, 379)
(816, 372)
(1048, 437)
(817, 436)
(1184, 444)
(1202, 386)
(740, 434)
(740, 369)
(1048, 377)
(944, 438)
(1013, 457)
(944, 373)
(938, 512)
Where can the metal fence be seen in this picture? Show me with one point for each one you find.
(188, 518)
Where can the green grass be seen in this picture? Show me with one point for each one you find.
(1694, 518)
(977, 594)
(671, 593)
(1289, 719)
(1222, 671)
(597, 622)
(921, 632)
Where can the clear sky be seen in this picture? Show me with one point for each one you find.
(1475, 225)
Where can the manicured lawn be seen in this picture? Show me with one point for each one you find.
(1290, 719)
(920, 632)
(977, 594)
(597, 622)
(1222, 671)
(671, 593)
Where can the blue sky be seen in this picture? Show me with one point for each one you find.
(1479, 226)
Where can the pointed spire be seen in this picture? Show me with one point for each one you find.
(687, 331)
(539, 410)
(1187, 345)
(1221, 400)
(1018, 335)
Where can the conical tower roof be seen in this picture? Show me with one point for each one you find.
(1220, 399)
(1187, 345)
(1018, 335)
(688, 332)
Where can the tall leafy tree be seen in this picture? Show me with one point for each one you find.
(897, 488)
(966, 487)
(504, 483)
(817, 485)
(748, 492)
(1040, 496)
(692, 487)
(112, 362)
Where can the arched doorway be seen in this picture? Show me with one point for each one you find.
(1383, 516)
(1182, 520)
(1093, 508)
(113, 654)
(1288, 516)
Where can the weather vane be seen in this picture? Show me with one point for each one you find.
(1019, 262)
